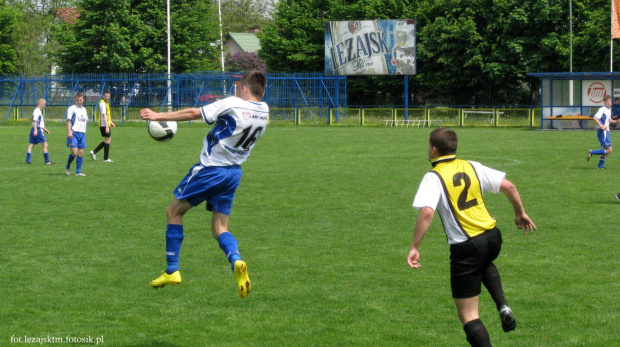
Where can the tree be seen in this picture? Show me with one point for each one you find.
(130, 36)
(8, 39)
(244, 61)
(478, 51)
(35, 47)
(240, 15)
(294, 41)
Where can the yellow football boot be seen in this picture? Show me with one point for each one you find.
(172, 279)
(243, 280)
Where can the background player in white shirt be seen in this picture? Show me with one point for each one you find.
(602, 118)
(239, 123)
(36, 133)
(77, 120)
(454, 188)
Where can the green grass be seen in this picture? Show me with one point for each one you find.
(324, 220)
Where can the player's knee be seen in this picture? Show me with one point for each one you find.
(608, 150)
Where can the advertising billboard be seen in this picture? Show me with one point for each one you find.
(370, 47)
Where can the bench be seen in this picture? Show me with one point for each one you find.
(413, 122)
(578, 118)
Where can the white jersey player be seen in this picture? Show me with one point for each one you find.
(77, 120)
(239, 123)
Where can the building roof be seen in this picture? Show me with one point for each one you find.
(247, 41)
(577, 75)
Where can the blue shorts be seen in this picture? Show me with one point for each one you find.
(603, 138)
(40, 138)
(78, 141)
(214, 184)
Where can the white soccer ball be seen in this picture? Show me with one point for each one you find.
(162, 130)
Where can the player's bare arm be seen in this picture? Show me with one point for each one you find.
(522, 220)
(180, 115)
(69, 132)
(425, 218)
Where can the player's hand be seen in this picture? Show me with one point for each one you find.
(35, 134)
(107, 130)
(47, 131)
(413, 258)
(70, 135)
(524, 222)
(147, 114)
(112, 125)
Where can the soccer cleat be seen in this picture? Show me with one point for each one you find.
(80, 174)
(243, 280)
(172, 279)
(68, 172)
(508, 319)
(49, 163)
(93, 155)
(28, 162)
(618, 196)
(589, 155)
(108, 161)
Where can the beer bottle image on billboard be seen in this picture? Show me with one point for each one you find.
(358, 48)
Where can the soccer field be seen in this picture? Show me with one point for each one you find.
(324, 221)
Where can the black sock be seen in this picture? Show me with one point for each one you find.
(493, 283)
(106, 151)
(477, 334)
(99, 147)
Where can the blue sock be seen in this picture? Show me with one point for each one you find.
(71, 157)
(228, 244)
(46, 156)
(598, 152)
(78, 164)
(601, 162)
(28, 156)
(174, 238)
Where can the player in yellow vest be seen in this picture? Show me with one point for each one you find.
(454, 188)
(105, 126)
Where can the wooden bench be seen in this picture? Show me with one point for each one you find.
(572, 117)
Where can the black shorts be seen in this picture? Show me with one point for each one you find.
(103, 133)
(469, 259)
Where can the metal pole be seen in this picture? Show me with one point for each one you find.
(570, 87)
(219, 9)
(169, 97)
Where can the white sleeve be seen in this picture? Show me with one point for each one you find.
(429, 192)
(490, 179)
(599, 113)
(211, 112)
(69, 112)
(102, 108)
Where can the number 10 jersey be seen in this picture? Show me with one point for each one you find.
(238, 124)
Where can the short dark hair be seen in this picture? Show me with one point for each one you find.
(445, 140)
(78, 95)
(107, 91)
(255, 81)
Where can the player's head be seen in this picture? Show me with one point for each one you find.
(607, 100)
(78, 98)
(444, 141)
(255, 82)
(617, 101)
(41, 103)
(106, 95)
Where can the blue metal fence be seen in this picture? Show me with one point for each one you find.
(314, 93)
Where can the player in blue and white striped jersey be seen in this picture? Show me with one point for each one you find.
(37, 134)
(77, 119)
(602, 118)
(239, 123)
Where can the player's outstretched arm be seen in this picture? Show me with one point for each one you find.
(522, 220)
(180, 115)
(425, 218)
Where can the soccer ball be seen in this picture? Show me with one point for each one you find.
(162, 130)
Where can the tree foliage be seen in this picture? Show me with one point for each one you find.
(240, 15)
(130, 36)
(244, 61)
(8, 39)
